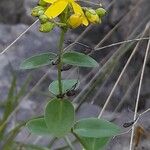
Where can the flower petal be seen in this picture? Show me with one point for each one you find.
(56, 8)
(85, 21)
(75, 20)
(50, 1)
(77, 8)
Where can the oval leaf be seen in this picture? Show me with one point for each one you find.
(95, 128)
(59, 117)
(66, 85)
(37, 61)
(94, 143)
(79, 59)
(38, 126)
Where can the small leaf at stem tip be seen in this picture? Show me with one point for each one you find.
(79, 59)
(59, 117)
(67, 85)
(38, 126)
(95, 128)
(37, 61)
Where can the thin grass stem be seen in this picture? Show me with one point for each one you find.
(6, 49)
(139, 90)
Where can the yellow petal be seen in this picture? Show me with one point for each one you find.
(56, 8)
(50, 1)
(77, 8)
(85, 21)
(75, 20)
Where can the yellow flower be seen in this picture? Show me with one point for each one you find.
(75, 20)
(58, 6)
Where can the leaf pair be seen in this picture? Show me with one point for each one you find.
(58, 119)
(94, 133)
(71, 58)
(67, 85)
(38, 61)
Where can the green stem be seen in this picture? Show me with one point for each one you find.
(60, 63)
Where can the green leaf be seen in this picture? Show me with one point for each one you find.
(59, 117)
(38, 126)
(95, 128)
(10, 99)
(79, 59)
(94, 133)
(66, 85)
(94, 143)
(37, 61)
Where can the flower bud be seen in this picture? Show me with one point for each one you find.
(92, 15)
(42, 3)
(46, 27)
(41, 12)
(43, 18)
(75, 20)
(36, 11)
(101, 12)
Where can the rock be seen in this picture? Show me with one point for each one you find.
(13, 12)
(31, 43)
(34, 42)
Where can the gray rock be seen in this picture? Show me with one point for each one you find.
(34, 42)
(13, 12)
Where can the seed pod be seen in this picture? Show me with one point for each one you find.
(42, 3)
(66, 67)
(71, 93)
(55, 62)
(92, 16)
(101, 12)
(75, 20)
(46, 27)
(128, 124)
(43, 18)
(36, 11)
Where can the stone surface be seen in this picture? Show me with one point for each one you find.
(34, 42)
(13, 12)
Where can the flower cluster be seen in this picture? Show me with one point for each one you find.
(66, 14)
